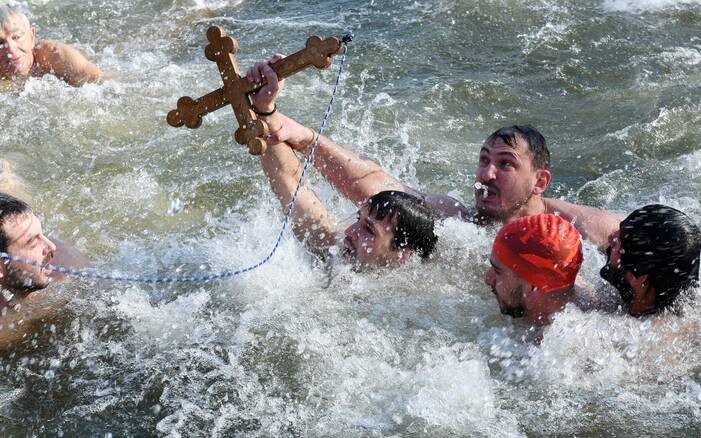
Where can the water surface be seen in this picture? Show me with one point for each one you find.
(290, 350)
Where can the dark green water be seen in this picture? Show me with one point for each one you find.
(286, 351)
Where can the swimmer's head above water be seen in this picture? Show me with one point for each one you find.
(513, 171)
(535, 261)
(21, 235)
(391, 227)
(17, 41)
(652, 258)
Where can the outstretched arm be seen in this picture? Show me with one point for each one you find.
(593, 224)
(355, 177)
(66, 63)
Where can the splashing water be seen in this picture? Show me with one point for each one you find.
(294, 349)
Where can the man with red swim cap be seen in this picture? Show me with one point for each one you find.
(535, 261)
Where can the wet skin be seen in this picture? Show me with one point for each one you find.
(17, 41)
(507, 175)
(368, 242)
(27, 240)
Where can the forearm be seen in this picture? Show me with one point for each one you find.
(594, 225)
(357, 178)
(311, 221)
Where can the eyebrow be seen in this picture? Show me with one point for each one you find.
(510, 154)
(32, 237)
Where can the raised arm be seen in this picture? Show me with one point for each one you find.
(311, 222)
(66, 63)
(355, 177)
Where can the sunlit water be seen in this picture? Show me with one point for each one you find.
(291, 350)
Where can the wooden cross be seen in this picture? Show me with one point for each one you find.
(221, 49)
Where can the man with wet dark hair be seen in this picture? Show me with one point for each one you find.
(22, 56)
(391, 226)
(652, 258)
(21, 235)
(413, 221)
(512, 174)
(20, 304)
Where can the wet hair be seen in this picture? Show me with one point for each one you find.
(415, 220)
(10, 207)
(665, 244)
(536, 142)
(7, 11)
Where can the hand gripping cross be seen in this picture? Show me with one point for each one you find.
(221, 49)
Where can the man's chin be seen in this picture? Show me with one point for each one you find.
(488, 212)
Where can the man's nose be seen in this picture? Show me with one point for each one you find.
(49, 246)
(10, 47)
(486, 173)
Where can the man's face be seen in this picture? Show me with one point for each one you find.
(16, 47)
(505, 177)
(369, 241)
(613, 272)
(509, 288)
(26, 240)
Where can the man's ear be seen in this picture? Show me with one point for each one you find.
(639, 284)
(643, 293)
(542, 180)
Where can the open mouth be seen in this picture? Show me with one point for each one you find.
(483, 191)
(46, 267)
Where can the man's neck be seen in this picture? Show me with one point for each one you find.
(535, 205)
(548, 304)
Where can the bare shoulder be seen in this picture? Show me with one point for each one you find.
(46, 48)
(47, 53)
(66, 62)
(447, 207)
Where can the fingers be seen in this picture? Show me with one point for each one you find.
(255, 74)
(271, 76)
(275, 58)
(259, 70)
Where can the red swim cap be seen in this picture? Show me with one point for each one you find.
(544, 250)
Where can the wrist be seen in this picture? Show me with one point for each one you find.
(264, 110)
(308, 142)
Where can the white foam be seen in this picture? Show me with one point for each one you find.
(682, 56)
(645, 5)
(162, 325)
(452, 393)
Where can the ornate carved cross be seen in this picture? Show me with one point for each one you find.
(221, 49)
